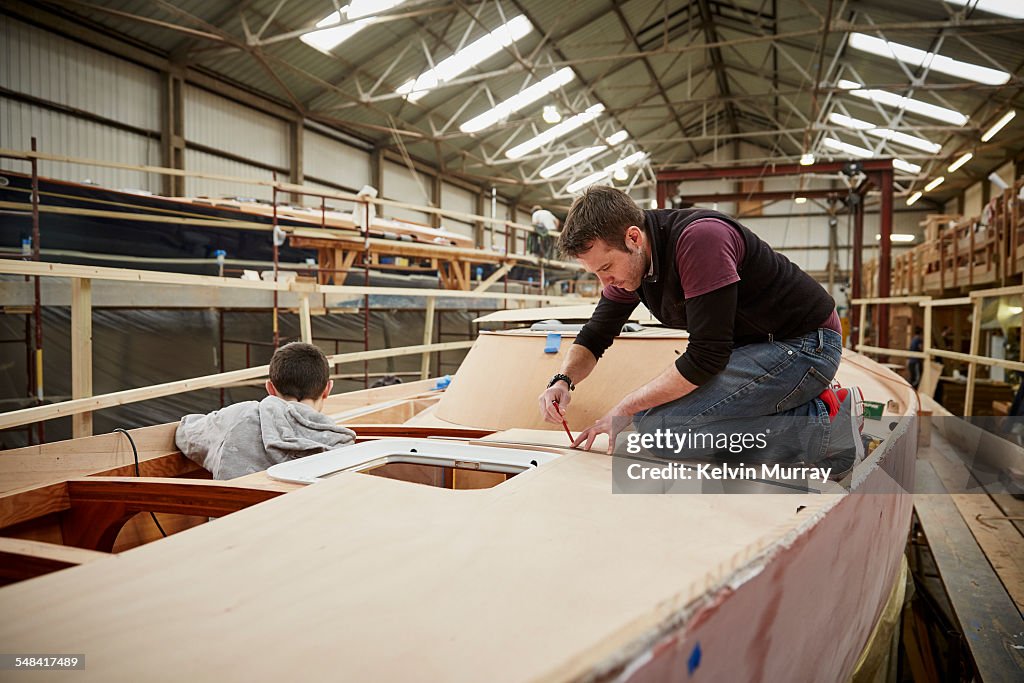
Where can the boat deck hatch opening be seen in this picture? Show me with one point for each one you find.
(433, 462)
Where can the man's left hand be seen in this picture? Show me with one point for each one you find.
(611, 424)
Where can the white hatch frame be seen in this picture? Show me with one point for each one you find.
(437, 452)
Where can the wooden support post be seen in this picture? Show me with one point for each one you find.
(305, 324)
(81, 351)
(296, 161)
(972, 367)
(926, 347)
(428, 335)
(494, 277)
(863, 321)
(172, 129)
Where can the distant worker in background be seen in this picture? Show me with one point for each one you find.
(251, 436)
(546, 225)
(915, 365)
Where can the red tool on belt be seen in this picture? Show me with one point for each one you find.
(564, 425)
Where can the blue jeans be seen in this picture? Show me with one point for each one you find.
(769, 386)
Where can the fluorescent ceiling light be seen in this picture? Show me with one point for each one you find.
(586, 182)
(616, 138)
(933, 184)
(654, 203)
(555, 132)
(906, 166)
(853, 150)
(847, 122)
(899, 102)
(914, 57)
(551, 114)
(619, 165)
(906, 140)
(571, 160)
(998, 125)
(1007, 8)
(885, 133)
(583, 155)
(913, 198)
(329, 38)
(467, 58)
(807, 160)
(620, 174)
(800, 200)
(896, 237)
(960, 162)
(518, 101)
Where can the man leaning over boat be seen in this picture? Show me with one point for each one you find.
(764, 337)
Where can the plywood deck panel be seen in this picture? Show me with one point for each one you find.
(457, 585)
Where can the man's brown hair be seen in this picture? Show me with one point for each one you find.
(600, 213)
(299, 370)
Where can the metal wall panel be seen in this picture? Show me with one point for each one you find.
(494, 235)
(209, 163)
(335, 162)
(401, 186)
(58, 133)
(972, 199)
(457, 199)
(220, 123)
(53, 68)
(330, 202)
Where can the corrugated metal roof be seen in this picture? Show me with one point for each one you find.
(647, 61)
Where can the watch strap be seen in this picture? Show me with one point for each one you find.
(562, 378)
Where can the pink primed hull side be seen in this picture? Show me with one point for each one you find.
(776, 627)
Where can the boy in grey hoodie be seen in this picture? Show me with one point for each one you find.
(250, 437)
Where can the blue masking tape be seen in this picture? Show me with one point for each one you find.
(554, 340)
(694, 661)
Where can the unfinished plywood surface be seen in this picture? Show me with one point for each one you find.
(581, 313)
(503, 374)
(466, 577)
(511, 369)
(33, 465)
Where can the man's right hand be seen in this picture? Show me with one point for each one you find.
(554, 402)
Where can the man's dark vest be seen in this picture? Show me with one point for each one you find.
(775, 300)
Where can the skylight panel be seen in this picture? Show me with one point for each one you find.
(555, 132)
(914, 57)
(468, 57)
(853, 150)
(906, 166)
(518, 101)
(329, 38)
(616, 138)
(885, 133)
(889, 99)
(619, 165)
(582, 155)
(1007, 8)
(571, 160)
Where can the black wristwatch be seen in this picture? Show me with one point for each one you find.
(562, 378)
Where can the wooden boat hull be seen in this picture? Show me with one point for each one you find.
(547, 576)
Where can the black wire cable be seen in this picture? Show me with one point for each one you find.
(135, 452)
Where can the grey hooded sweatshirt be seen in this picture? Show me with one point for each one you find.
(250, 437)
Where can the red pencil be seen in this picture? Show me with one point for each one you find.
(565, 425)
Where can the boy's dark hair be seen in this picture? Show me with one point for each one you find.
(299, 370)
(600, 213)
